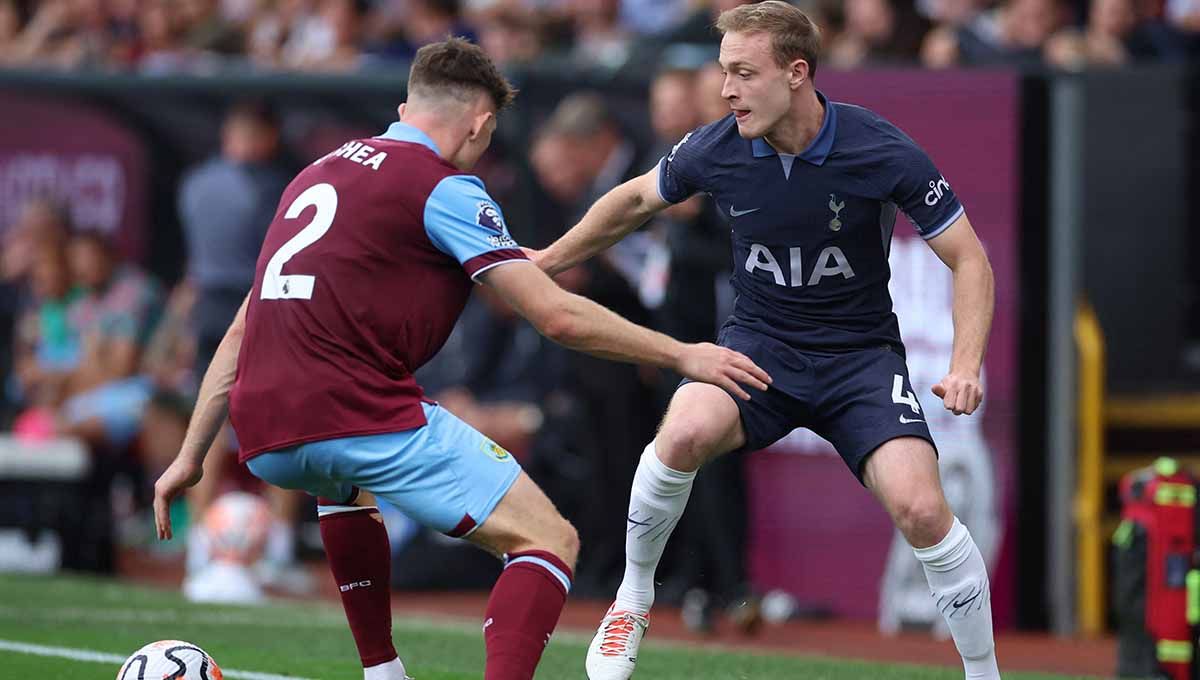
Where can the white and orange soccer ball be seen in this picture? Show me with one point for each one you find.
(237, 524)
(170, 660)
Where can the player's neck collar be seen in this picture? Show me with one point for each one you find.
(818, 149)
(403, 132)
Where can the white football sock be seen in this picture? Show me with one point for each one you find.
(656, 503)
(958, 581)
(392, 670)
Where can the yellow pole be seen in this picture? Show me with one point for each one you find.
(1089, 497)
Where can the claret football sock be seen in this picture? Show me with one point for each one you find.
(522, 613)
(356, 545)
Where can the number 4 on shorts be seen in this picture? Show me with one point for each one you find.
(899, 396)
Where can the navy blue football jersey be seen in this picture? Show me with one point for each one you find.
(811, 231)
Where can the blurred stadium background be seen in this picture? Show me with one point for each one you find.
(144, 144)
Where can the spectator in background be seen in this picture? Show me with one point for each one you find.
(653, 17)
(206, 29)
(510, 36)
(420, 23)
(950, 13)
(332, 40)
(1013, 34)
(225, 206)
(695, 28)
(10, 27)
(114, 317)
(285, 32)
(162, 49)
(698, 27)
(40, 224)
(123, 31)
(579, 155)
(599, 39)
(939, 47)
(63, 34)
(48, 345)
(877, 32)
(1114, 35)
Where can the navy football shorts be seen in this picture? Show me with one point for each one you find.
(857, 400)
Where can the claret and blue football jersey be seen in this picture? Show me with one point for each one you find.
(364, 271)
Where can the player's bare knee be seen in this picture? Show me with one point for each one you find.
(560, 538)
(683, 444)
(553, 534)
(923, 518)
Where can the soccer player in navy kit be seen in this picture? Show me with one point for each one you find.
(366, 266)
(811, 189)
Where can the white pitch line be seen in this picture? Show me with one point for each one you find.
(102, 657)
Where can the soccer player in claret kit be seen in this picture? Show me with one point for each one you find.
(811, 189)
(364, 271)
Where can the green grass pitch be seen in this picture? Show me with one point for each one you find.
(311, 640)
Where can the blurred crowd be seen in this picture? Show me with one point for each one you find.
(210, 36)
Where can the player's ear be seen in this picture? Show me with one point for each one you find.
(479, 124)
(400, 109)
(798, 73)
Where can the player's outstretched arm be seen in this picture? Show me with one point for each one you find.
(961, 391)
(212, 406)
(617, 213)
(580, 324)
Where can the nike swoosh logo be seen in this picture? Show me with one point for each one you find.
(906, 421)
(734, 212)
(959, 605)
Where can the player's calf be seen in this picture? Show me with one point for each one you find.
(903, 475)
(540, 548)
(357, 549)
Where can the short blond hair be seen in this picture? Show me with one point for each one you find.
(793, 34)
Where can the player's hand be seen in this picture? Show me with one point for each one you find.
(723, 367)
(181, 474)
(960, 393)
(535, 256)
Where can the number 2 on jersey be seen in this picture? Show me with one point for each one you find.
(279, 286)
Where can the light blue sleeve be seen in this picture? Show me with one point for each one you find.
(462, 221)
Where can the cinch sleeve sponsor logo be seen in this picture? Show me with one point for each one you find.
(937, 189)
(671, 156)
